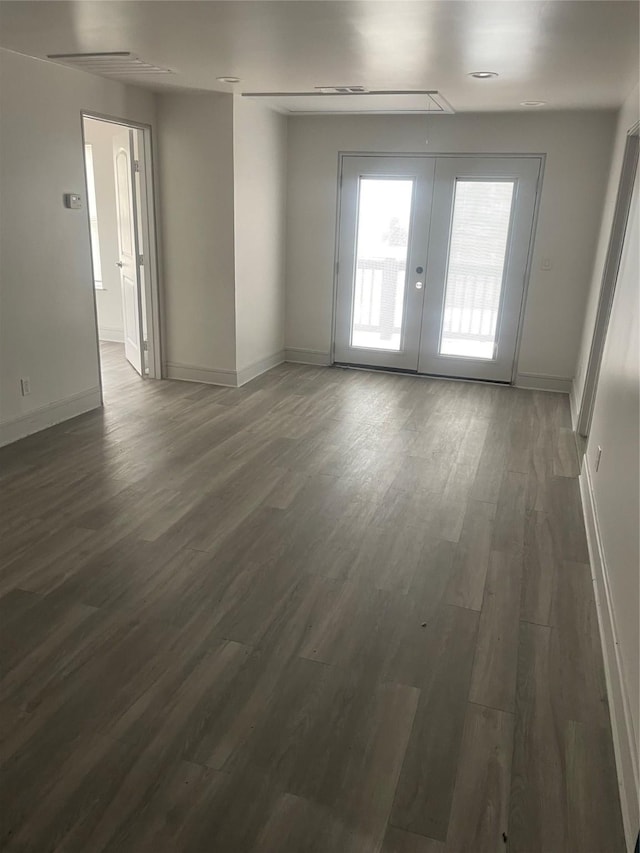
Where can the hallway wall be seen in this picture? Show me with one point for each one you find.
(196, 197)
(47, 327)
(611, 488)
(260, 170)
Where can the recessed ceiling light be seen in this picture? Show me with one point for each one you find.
(483, 75)
(228, 79)
(532, 103)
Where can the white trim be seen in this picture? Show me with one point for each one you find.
(251, 371)
(151, 261)
(619, 703)
(544, 382)
(573, 406)
(196, 373)
(115, 334)
(49, 415)
(222, 376)
(299, 355)
(609, 279)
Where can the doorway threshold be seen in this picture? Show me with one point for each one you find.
(400, 372)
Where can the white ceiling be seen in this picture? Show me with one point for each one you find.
(570, 53)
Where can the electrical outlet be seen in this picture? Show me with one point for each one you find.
(598, 455)
(25, 386)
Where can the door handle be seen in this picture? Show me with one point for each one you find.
(119, 264)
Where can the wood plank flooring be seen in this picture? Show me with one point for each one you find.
(329, 612)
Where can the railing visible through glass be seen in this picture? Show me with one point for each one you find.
(384, 219)
(476, 266)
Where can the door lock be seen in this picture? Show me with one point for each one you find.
(419, 270)
(418, 285)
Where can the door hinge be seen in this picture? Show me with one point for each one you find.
(140, 260)
(337, 267)
(136, 165)
(145, 345)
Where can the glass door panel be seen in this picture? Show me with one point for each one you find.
(384, 219)
(475, 269)
(385, 205)
(481, 228)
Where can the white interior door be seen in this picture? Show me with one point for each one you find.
(481, 230)
(128, 249)
(384, 224)
(433, 254)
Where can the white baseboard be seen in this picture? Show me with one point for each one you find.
(544, 382)
(49, 415)
(307, 356)
(228, 378)
(246, 374)
(194, 373)
(619, 703)
(111, 333)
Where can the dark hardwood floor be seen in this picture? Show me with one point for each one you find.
(331, 611)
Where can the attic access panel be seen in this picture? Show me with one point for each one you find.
(354, 100)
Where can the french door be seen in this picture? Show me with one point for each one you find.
(432, 258)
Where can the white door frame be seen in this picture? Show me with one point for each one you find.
(149, 240)
(131, 271)
(609, 279)
(541, 157)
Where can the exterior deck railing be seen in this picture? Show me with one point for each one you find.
(472, 301)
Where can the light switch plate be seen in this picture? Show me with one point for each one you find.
(73, 201)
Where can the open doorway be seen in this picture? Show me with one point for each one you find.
(120, 208)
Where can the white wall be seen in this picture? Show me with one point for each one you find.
(627, 117)
(222, 190)
(616, 429)
(611, 495)
(47, 328)
(196, 197)
(108, 300)
(578, 148)
(259, 149)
